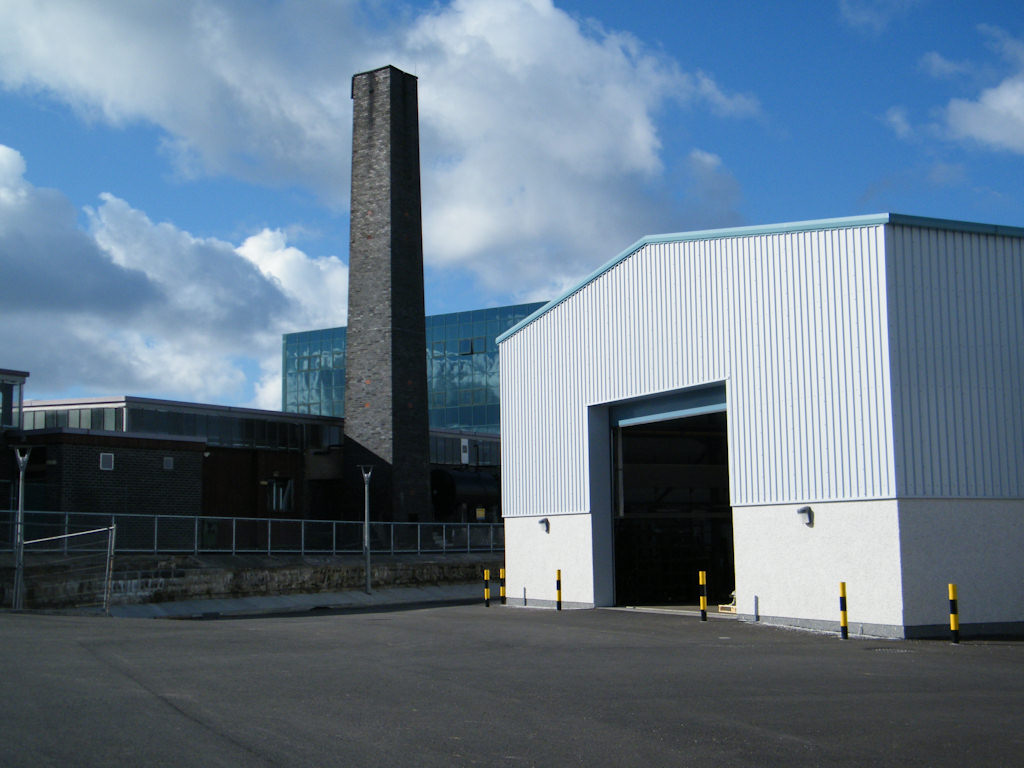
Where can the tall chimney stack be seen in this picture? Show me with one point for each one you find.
(386, 421)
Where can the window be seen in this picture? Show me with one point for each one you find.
(279, 495)
(106, 461)
(7, 404)
(168, 462)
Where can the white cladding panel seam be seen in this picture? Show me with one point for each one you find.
(957, 329)
(795, 322)
(547, 441)
(808, 377)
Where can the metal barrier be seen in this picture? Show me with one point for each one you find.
(247, 535)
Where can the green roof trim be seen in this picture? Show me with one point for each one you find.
(845, 222)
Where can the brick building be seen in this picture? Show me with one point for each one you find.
(131, 454)
(139, 455)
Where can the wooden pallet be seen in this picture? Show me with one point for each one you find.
(730, 607)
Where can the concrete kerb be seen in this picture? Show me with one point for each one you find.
(683, 610)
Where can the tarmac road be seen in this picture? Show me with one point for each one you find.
(469, 685)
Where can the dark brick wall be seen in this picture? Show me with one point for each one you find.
(137, 483)
(385, 385)
(236, 482)
(64, 475)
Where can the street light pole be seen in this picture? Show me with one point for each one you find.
(17, 603)
(367, 470)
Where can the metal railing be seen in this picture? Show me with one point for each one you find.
(175, 534)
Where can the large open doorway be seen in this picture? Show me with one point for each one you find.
(671, 510)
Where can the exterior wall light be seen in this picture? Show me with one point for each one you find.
(546, 523)
(806, 516)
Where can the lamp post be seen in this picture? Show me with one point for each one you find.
(17, 603)
(367, 470)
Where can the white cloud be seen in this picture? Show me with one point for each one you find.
(873, 15)
(46, 259)
(722, 103)
(1005, 44)
(994, 118)
(898, 121)
(542, 149)
(134, 307)
(319, 286)
(938, 66)
(540, 134)
(12, 169)
(261, 94)
(541, 152)
(204, 282)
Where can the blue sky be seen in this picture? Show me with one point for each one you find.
(174, 176)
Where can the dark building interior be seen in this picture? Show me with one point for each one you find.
(673, 517)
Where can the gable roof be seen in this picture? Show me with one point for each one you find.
(845, 222)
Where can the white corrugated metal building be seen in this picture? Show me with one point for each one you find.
(869, 368)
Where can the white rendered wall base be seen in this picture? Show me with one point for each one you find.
(976, 544)
(534, 552)
(789, 573)
(897, 559)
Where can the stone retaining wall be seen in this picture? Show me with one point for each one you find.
(188, 578)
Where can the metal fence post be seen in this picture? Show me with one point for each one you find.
(156, 533)
(302, 538)
(268, 536)
(469, 537)
(195, 537)
(66, 532)
(392, 538)
(233, 529)
(111, 543)
(419, 546)
(334, 538)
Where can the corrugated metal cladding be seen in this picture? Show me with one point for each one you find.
(957, 363)
(794, 323)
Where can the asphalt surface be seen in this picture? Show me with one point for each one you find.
(469, 685)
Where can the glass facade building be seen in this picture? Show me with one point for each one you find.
(461, 368)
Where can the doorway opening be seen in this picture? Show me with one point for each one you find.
(672, 516)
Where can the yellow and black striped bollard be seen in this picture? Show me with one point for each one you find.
(954, 615)
(558, 589)
(702, 579)
(487, 587)
(844, 630)
(501, 588)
